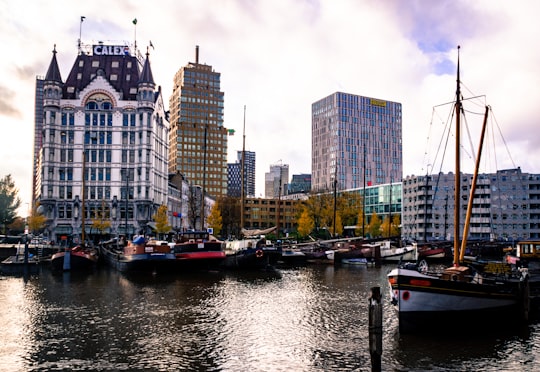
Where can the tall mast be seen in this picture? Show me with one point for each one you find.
(457, 184)
(242, 172)
(473, 187)
(83, 211)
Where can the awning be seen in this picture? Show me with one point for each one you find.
(63, 229)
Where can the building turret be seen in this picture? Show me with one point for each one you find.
(146, 86)
(52, 87)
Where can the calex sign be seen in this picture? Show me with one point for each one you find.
(110, 50)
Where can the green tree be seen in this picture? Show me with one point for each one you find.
(162, 221)
(9, 201)
(215, 220)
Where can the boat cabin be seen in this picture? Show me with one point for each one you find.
(529, 250)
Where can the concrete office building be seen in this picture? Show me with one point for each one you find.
(198, 140)
(506, 206)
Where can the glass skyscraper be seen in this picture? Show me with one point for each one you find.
(355, 141)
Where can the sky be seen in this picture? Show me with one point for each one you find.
(278, 57)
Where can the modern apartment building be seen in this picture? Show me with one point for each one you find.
(234, 172)
(104, 143)
(198, 140)
(506, 206)
(355, 141)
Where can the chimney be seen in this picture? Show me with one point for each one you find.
(196, 54)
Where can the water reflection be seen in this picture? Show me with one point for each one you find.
(309, 319)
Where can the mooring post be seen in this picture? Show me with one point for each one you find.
(375, 328)
(377, 255)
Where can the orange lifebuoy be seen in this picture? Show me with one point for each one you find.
(259, 253)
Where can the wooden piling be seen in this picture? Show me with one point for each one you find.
(377, 255)
(375, 328)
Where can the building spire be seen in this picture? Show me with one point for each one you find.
(146, 75)
(53, 73)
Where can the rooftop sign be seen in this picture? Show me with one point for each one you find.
(110, 50)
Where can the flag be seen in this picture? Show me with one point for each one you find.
(82, 18)
(152, 45)
(135, 21)
(231, 132)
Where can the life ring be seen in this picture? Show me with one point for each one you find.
(259, 253)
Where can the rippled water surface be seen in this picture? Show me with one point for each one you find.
(307, 319)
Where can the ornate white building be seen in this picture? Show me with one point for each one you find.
(106, 123)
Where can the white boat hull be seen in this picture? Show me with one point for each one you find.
(427, 301)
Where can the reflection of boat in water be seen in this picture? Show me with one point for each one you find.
(139, 255)
(475, 294)
(77, 258)
(198, 250)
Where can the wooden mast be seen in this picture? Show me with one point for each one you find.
(473, 188)
(457, 184)
(242, 172)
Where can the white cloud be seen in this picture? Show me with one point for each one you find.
(278, 57)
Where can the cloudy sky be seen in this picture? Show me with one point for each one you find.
(278, 57)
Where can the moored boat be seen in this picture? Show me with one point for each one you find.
(250, 253)
(432, 252)
(479, 294)
(198, 250)
(139, 255)
(20, 265)
(75, 259)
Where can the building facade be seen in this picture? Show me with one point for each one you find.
(198, 139)
(234, 173)
(104, 144)
(355, 140)
(506, 206)
(300, 183)
(276, 181)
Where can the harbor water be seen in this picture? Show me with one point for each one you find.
(313, 318)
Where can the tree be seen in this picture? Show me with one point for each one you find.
(215, 220)
(396, 222)
(339, 225)
(360, 227)
(17, 226)
(229, 208)
(101, 220)
(194, 207)
(375, 226)
(305, 223)
(162, 221)
(36, 220)
(386, 227)
(9, 201)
